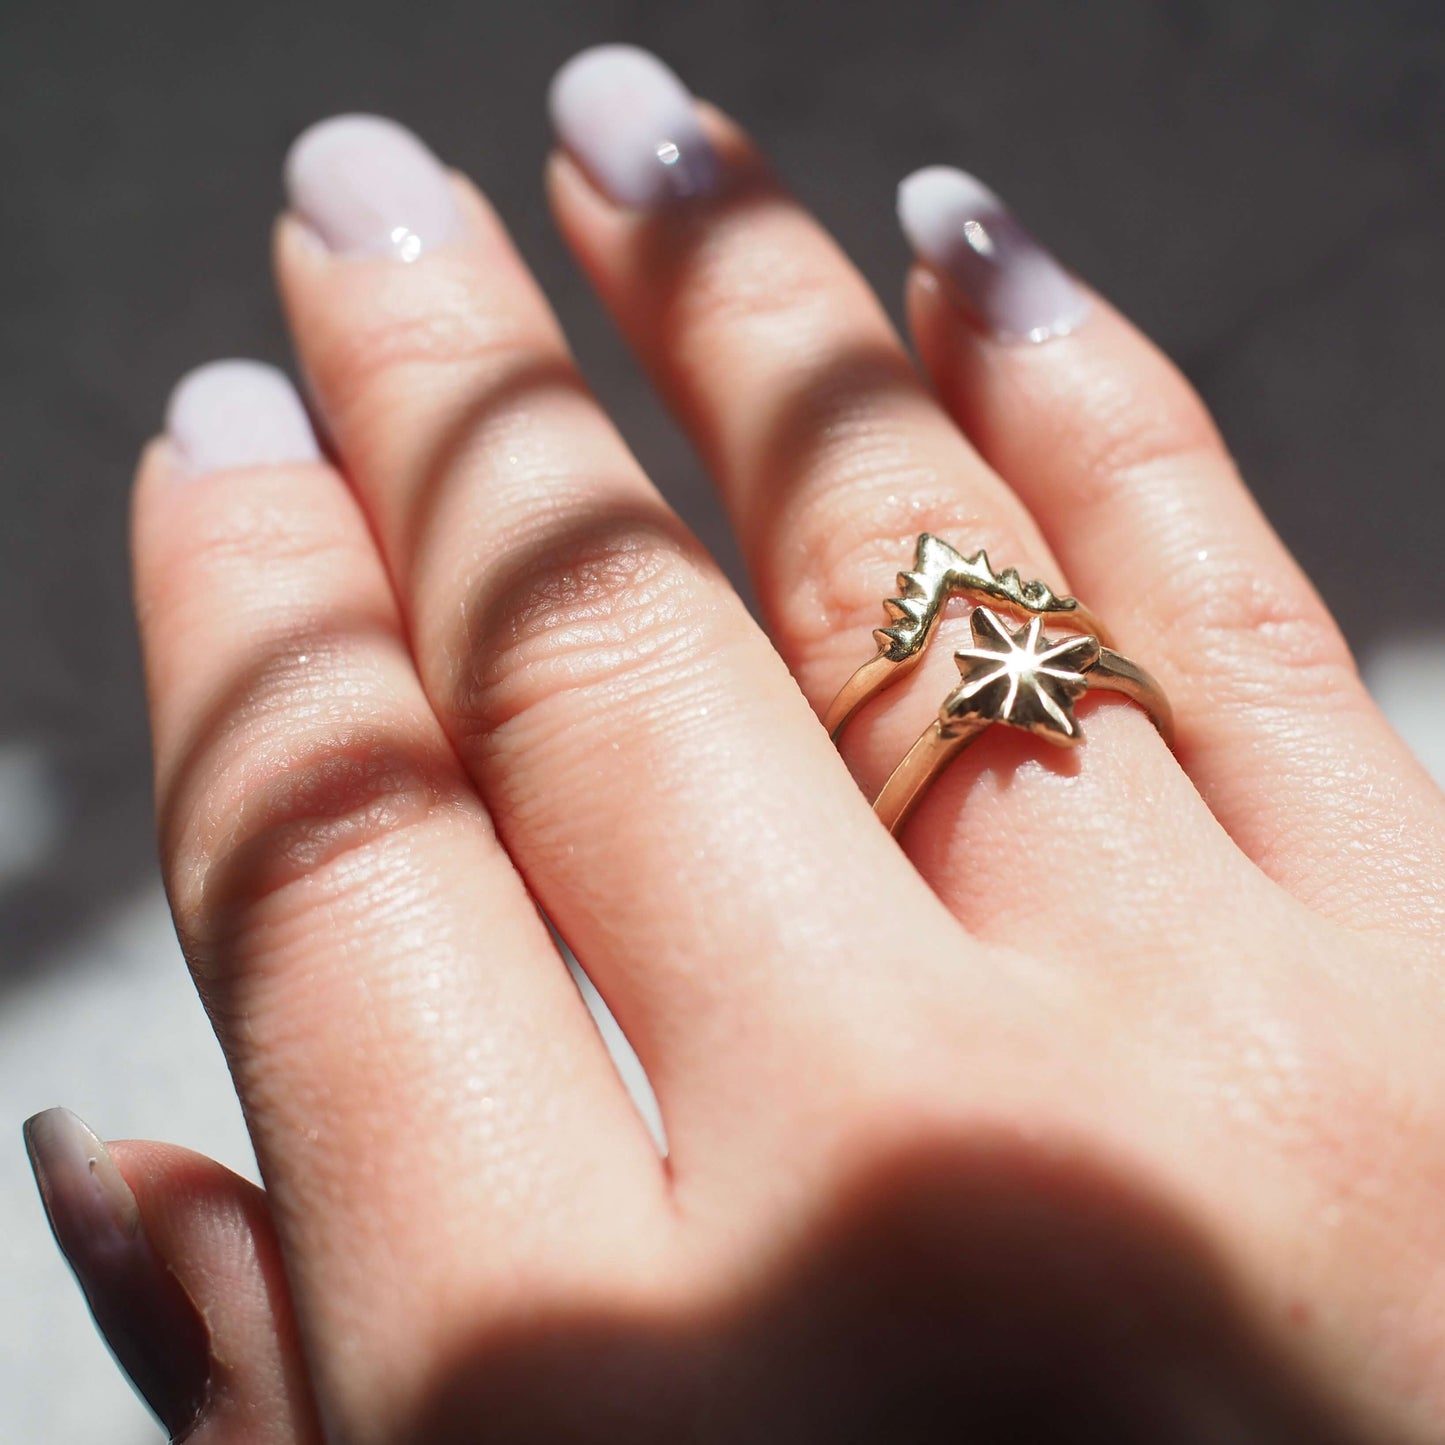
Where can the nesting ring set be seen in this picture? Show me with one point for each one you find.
(1023, 677)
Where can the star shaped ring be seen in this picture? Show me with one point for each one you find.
(940, 573)
(1019, 677)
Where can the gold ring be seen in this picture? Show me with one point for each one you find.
(1023, 678)
(940, 573)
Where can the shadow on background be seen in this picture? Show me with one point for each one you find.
(1258, 186)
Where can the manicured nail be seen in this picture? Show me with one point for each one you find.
(368, 187)
(150, 1324)
(960, 228)
(237, 414)
(631, 124)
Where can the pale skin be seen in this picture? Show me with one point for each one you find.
(1113, 1092)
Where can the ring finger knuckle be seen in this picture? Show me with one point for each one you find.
(851, 561)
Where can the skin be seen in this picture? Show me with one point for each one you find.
(1109, 1105)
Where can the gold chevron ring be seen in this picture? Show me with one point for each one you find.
(1023, 678)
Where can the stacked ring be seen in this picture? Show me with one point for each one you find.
(1023, 678)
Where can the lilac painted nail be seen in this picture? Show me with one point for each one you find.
(631, 124)
(238, 414)
(145, 1316)
(960, 228)
(368, 187)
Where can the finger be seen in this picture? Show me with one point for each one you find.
(180, 1266)
(832, 457)
(649, 763)
(1117, 457)
(414, 1062)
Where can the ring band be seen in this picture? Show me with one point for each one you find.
(941, 572)
(1023, 678)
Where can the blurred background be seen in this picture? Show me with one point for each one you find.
(1259, 185)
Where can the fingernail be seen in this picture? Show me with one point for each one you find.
(631, 124)
(959, 227)
(237, 414)
(368, 187)
(150, 1324)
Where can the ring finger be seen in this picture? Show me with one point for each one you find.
(832, 457)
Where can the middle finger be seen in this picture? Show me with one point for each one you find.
(648, 762)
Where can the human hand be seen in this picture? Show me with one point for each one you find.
(1110, 1105)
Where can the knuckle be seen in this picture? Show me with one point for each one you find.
(1136, 432)
(273, 524)
(294, 819)
(1244, 631)
(1235, 623)
(746, 284)
(413, 337)
(846, 570)
(606, 613)
(300, 777)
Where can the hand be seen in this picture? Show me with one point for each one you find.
(1111, 1105)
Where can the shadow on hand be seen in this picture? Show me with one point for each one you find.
(984, 1294)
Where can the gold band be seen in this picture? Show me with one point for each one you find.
(946, 736)
(1021, 678)
(940, 573)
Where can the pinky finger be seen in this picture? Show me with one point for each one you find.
(1115, 455)
(179, 1264)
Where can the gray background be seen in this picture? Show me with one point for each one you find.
(1259, 185)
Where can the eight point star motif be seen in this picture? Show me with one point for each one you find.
(1022, 678)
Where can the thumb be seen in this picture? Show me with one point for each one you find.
(179, 1263)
